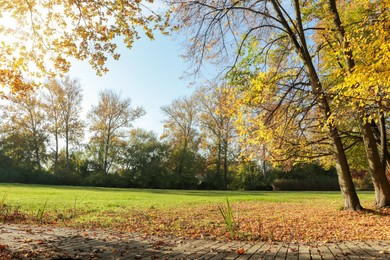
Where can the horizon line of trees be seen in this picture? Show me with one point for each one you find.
(42, 140)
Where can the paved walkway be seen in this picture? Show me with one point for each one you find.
(24, 242)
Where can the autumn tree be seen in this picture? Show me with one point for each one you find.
(63, 107)
(221, 29)
(181, 132)
(144, 160)
(42, 37)
(217, 129)
(23, 130)
(110, 122)
(355, 45)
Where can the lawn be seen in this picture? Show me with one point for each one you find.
(293, 216)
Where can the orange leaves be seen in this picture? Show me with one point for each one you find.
(240, 251)
(310, 220)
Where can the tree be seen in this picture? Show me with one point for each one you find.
(216, 128)
(144, 160)
(218, 26)
(63, 106)
(43, 36)
(363, 50)
(110, 120)
(355, 77)
(53, 113)
(24, 132)
(181, 133)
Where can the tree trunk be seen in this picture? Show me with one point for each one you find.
(37, 156)
(219, 159)
(351, 200)
(378, 174)
(56, 153)
(106, 150)
(225, 165)
(384, 153)
(67, 149)
(180, 167)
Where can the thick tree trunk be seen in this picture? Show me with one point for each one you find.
(378, 173)
(384, 152)
(351, 200)
(381, 140)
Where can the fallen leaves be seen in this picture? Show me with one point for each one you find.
(263, 221)
(240, 251)
(267, 221)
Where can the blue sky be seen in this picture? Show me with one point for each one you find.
(149, 74)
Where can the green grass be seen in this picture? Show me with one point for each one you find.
(33, 197)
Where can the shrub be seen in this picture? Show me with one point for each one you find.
(363, 182)
(313, 184)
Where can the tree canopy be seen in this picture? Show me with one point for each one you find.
(41, 38)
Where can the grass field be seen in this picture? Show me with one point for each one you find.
(257, 215)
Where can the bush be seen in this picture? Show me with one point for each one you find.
(363, 182)
(314, 184)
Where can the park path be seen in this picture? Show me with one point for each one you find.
(44, 242)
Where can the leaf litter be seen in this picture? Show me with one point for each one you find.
(254, 221)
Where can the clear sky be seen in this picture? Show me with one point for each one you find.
(149, 74)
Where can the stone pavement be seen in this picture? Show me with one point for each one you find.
(25, 242)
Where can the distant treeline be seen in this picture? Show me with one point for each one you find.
(242, 177)
(43, 141)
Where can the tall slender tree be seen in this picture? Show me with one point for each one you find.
(63, 106)
(110, 121)
(180, 129)
(217, 128)
(24, 127)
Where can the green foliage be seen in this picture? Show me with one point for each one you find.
(303, 177)
(318, 184)
(3, 200)
(40, 212)
(228, 218)
(144, 161)
(363, 181)
(250, 176)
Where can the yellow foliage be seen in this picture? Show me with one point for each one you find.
(40, 37)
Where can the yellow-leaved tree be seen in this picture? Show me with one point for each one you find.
(356, 56)
(288, 97)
